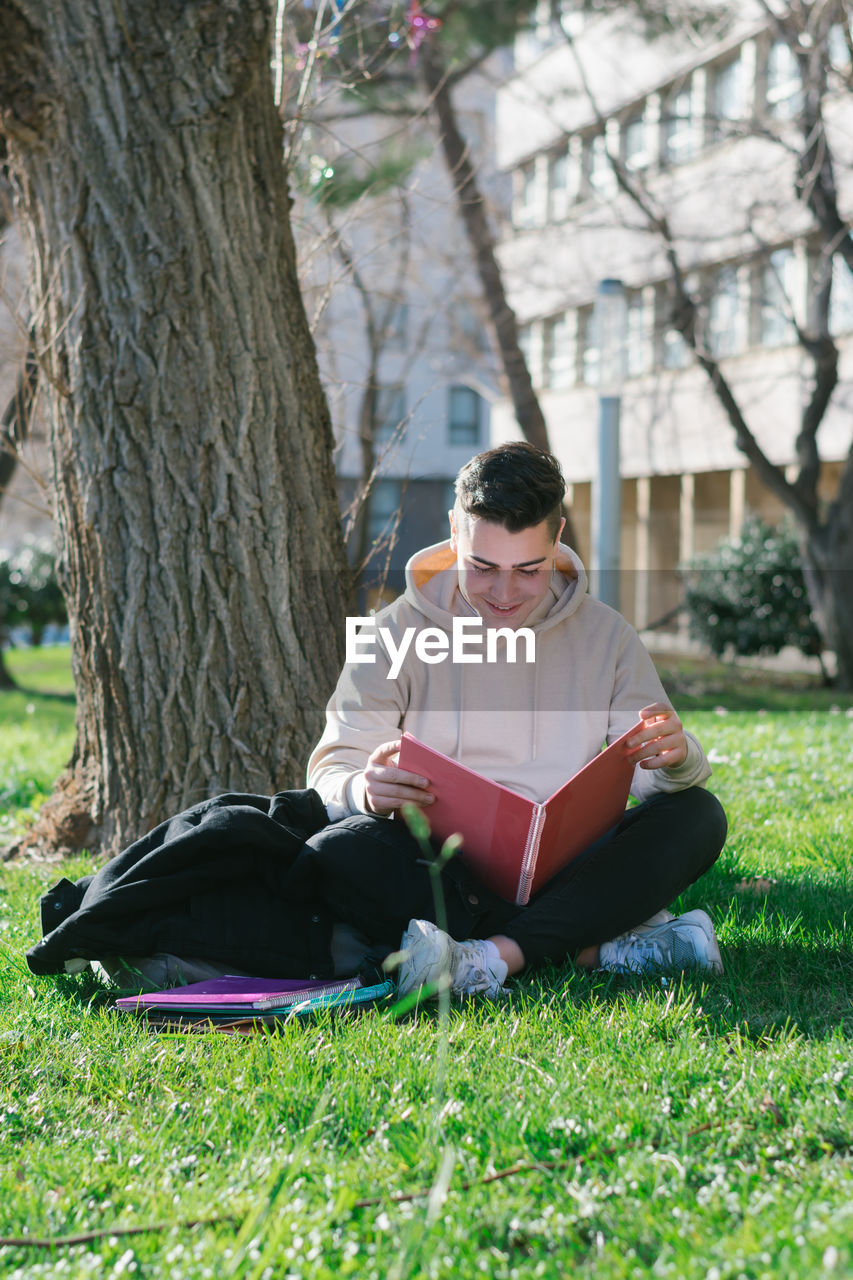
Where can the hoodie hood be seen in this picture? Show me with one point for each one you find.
(432, 587)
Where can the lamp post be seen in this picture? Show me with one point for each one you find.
(609, 322)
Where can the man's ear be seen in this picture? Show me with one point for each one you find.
(560, 530)
(452, 531)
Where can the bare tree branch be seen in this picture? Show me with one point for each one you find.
(686, 321)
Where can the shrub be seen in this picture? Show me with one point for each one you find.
(749, 593)
(29, 590)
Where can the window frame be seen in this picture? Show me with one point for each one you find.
(681, 125)
(558, 368)
(469, 431)
(390, 422)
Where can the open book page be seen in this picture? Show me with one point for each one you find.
(584, 809)
(493, 821)
(504, 837)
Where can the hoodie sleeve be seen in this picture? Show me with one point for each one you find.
(365, 710)
(636, 685)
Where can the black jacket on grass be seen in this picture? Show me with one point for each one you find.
(222, 881)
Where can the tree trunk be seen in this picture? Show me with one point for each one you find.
(827, 553)
(199, 535)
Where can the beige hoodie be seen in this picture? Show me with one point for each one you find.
(528, 725)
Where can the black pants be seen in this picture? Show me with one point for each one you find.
(372, 874)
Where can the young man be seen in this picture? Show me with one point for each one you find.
(529, 726)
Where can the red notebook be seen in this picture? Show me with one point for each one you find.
(514, 844)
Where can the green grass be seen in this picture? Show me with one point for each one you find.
(683, 1128)
(36, 732)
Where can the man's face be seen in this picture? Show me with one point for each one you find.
(502, 575)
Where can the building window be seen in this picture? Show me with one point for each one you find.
(561, 190)
(784, 87)
(526, 195)
(383, 509)
(678, 138)
(636, 337)
(726, 97)
(674, 353)
(390, 413)
(671, 349)
(557, 353)
(635, 143)
(776, 328)
(599, 171)
(463, 419)
(725, 314)
(588, 354)
(467, 326)
(397, 326)
(841, 298)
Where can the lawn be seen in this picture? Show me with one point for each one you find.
(36, 732)
(587, 1125)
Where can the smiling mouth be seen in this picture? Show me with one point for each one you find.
(502, 608)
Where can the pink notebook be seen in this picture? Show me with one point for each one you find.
(514, 844)
(235, 993)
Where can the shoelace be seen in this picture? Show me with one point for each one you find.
(647, 946)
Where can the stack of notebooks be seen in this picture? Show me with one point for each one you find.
(234, 1003)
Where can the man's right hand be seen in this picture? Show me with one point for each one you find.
(386, 787)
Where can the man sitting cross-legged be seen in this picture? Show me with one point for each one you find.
(528, 726)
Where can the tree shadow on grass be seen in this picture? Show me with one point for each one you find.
(772, 985)
(47, 695)
(85, 990)
(769, 986)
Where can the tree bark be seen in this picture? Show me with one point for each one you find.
(199, 535)
(827, 553)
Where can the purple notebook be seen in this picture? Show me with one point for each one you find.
(232, 992)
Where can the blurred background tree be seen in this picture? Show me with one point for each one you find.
(30, 595)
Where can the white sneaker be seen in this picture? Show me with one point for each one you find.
(682, 942)
(429, 957)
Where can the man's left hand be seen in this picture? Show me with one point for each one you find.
(661, 742)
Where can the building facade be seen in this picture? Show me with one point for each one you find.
(706, 130)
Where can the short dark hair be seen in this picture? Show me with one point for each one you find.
(514, 484)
